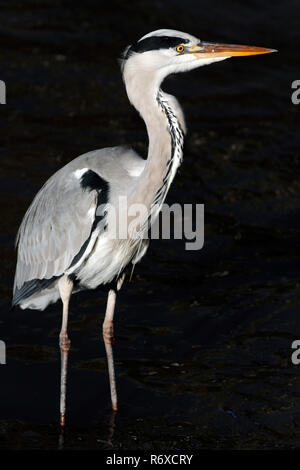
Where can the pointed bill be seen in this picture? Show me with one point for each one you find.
(206, 50)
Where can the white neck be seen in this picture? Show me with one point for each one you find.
(164, 121)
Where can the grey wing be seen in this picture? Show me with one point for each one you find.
(55, 227)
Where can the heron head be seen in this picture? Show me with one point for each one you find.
(167, 51)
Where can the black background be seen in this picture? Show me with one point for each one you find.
(203, 351)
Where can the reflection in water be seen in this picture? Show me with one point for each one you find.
(107, 444)
(112, 424)
(61, 438)
(111, 430)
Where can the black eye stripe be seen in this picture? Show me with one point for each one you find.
(154, 43)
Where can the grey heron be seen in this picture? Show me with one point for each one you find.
(65, 242)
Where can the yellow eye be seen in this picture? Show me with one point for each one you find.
(180, 48)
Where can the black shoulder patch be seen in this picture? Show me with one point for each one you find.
(92, 181)
(154, 43)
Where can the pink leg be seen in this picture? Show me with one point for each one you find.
(108, 336)
(65, 289)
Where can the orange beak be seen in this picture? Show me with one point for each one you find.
(206, 50)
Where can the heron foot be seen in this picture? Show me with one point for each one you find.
(62, 420)
(114, 406)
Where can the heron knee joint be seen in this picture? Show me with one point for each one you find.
(64, 342)
(108, 332)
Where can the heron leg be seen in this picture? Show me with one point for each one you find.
(108, 336)
(65, 286)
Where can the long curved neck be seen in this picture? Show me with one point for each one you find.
(165, 141)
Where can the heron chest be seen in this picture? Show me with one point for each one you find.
(107, 260)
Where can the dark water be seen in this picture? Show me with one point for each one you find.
(203, 351)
